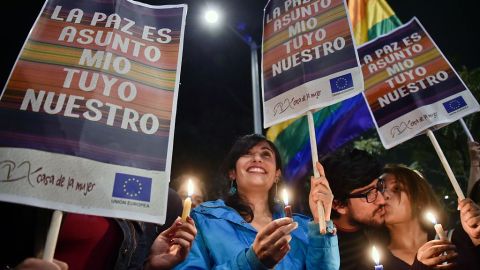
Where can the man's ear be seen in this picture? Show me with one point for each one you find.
(340, 207)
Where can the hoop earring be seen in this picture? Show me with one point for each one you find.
(233, 188)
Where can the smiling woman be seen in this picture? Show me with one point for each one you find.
(248, 230)
(241, 153)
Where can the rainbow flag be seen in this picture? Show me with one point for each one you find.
(371, 18)
(340, 123)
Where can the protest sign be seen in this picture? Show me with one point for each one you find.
(88, 112)
(410, 86)
(309, 58)
(309, 61)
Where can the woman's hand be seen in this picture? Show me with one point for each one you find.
(272, 242)
(470, 218)
(320, 191)
(432, 254)
(172, 245)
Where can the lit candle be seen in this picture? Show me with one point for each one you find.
(438, 227)
(187, 204)
(288, 208)
(376, 259)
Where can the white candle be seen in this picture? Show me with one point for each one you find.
(376, 259)
(187, 204)
(288, 208)
(438, 227)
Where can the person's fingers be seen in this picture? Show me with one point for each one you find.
(270, 248)
(437, 260)
(320, 169)
(461, 203)
(323, 184)
(475, 232)
(313, 183)
(184, 235)
(281, 248)
(446, 266)
(171, 230)
(285, 248)
(280, 233)
(466, 205)
(472, 220)
(62, 265)
(318, 191)
(273, 225)
(429, 253)
(320, 185)
(284, 240)
(190, 220)
(473, 144)
(436, 242)
(325, 198)
(282, 252)
(469, 211)
(188, 226)
(181, 242)
(436, 250)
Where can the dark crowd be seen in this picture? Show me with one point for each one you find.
(367, 203)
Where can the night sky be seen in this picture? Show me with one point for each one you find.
(215, 102)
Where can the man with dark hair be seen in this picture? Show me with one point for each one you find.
(355, 180)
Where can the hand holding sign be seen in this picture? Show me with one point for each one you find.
(320, 196)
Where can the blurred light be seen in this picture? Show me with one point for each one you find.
(375, 255)
(211, 16)
(285, 196)
(190, 188)
(446, 197)
(431, 217)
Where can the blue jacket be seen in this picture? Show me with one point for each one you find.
(224, 241)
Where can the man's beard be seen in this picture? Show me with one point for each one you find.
(370, 221)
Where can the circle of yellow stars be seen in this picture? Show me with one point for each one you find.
(135, 182)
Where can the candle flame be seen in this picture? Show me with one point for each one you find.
(285, 196)
(375, 255)
(189, 188)
(431, 217)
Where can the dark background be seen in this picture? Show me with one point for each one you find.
(215, 98)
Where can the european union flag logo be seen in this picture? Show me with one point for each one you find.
(341, 83)
(454, 104)
(132, 187)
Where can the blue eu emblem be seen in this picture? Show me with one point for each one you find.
(341, 83)
(132, 187)
(454, 104)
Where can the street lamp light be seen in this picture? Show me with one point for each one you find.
(212, 16)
